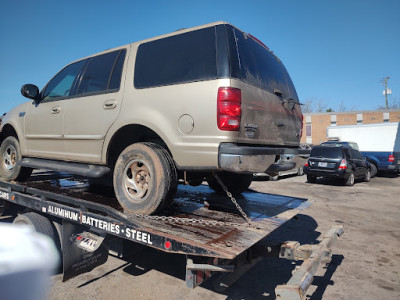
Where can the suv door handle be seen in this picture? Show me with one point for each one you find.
(55, 109)
(110, 104)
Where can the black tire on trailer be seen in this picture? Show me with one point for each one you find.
(40, 224)
(10, 154)
(235, 183)
(174, 175)
(374, 170)
(311, 179)
(145, 179)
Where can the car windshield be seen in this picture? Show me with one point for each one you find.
(327, 152)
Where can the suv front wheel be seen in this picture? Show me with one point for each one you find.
(10, 154)
(145, 178)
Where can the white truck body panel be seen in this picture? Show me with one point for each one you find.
(381, 137)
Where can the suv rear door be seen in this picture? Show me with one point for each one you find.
(89, 115)
(358, 162)
(271, 112)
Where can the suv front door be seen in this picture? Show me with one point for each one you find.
(44, 119)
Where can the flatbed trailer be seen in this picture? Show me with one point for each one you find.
(200, 224)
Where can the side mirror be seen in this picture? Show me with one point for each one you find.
(30, 91)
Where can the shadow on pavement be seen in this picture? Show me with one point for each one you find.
(258, 283)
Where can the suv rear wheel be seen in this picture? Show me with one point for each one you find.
(10, 154)
(235, 183)
(145, 178)
(350, 180)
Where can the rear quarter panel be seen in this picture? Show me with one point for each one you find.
(161, 110)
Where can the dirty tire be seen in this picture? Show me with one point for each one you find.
(311, 179)
(174, 175)
(374, 170)
(350, 180)
(10, 154)
(145, 179)
(236, 183)
(40, 224)
(367, 176)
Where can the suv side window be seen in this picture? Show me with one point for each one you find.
(99, 73)
(186, 57)
(61, 85)
(355, 154)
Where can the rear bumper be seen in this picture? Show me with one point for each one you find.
(254, 159)
(389, 167)
(327, 173)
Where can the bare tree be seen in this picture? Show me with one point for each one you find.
(394, 103)
(314, 105)
(311, 105)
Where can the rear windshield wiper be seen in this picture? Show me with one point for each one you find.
(290, 102)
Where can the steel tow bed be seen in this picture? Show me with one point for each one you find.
(199, 224)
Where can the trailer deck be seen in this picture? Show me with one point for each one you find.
(198, 222)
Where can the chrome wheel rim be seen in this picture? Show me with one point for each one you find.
(10, 158)
(352, 179)
(368, 175)
(137, 180)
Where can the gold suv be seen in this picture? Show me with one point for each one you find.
(183, 105)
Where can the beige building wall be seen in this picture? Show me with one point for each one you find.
(346, 119)
(315, 124)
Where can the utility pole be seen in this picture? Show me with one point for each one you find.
(386, 92)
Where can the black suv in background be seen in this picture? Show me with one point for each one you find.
(337, 161)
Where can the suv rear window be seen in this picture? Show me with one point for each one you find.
(181, 58)
(326, 152)
(254, 64)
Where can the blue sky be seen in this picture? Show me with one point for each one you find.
(337, 52)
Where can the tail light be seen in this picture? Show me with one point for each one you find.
(306, 164)
(229, 108)
(343, 165)
(391, 158)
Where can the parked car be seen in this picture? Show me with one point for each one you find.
(183, 105)
(379, 143)
(337, 161)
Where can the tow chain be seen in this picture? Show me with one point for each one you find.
(181, 220)
(229, 194)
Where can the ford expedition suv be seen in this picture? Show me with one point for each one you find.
(183, 105)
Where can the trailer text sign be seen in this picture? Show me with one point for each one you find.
(108, 226)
